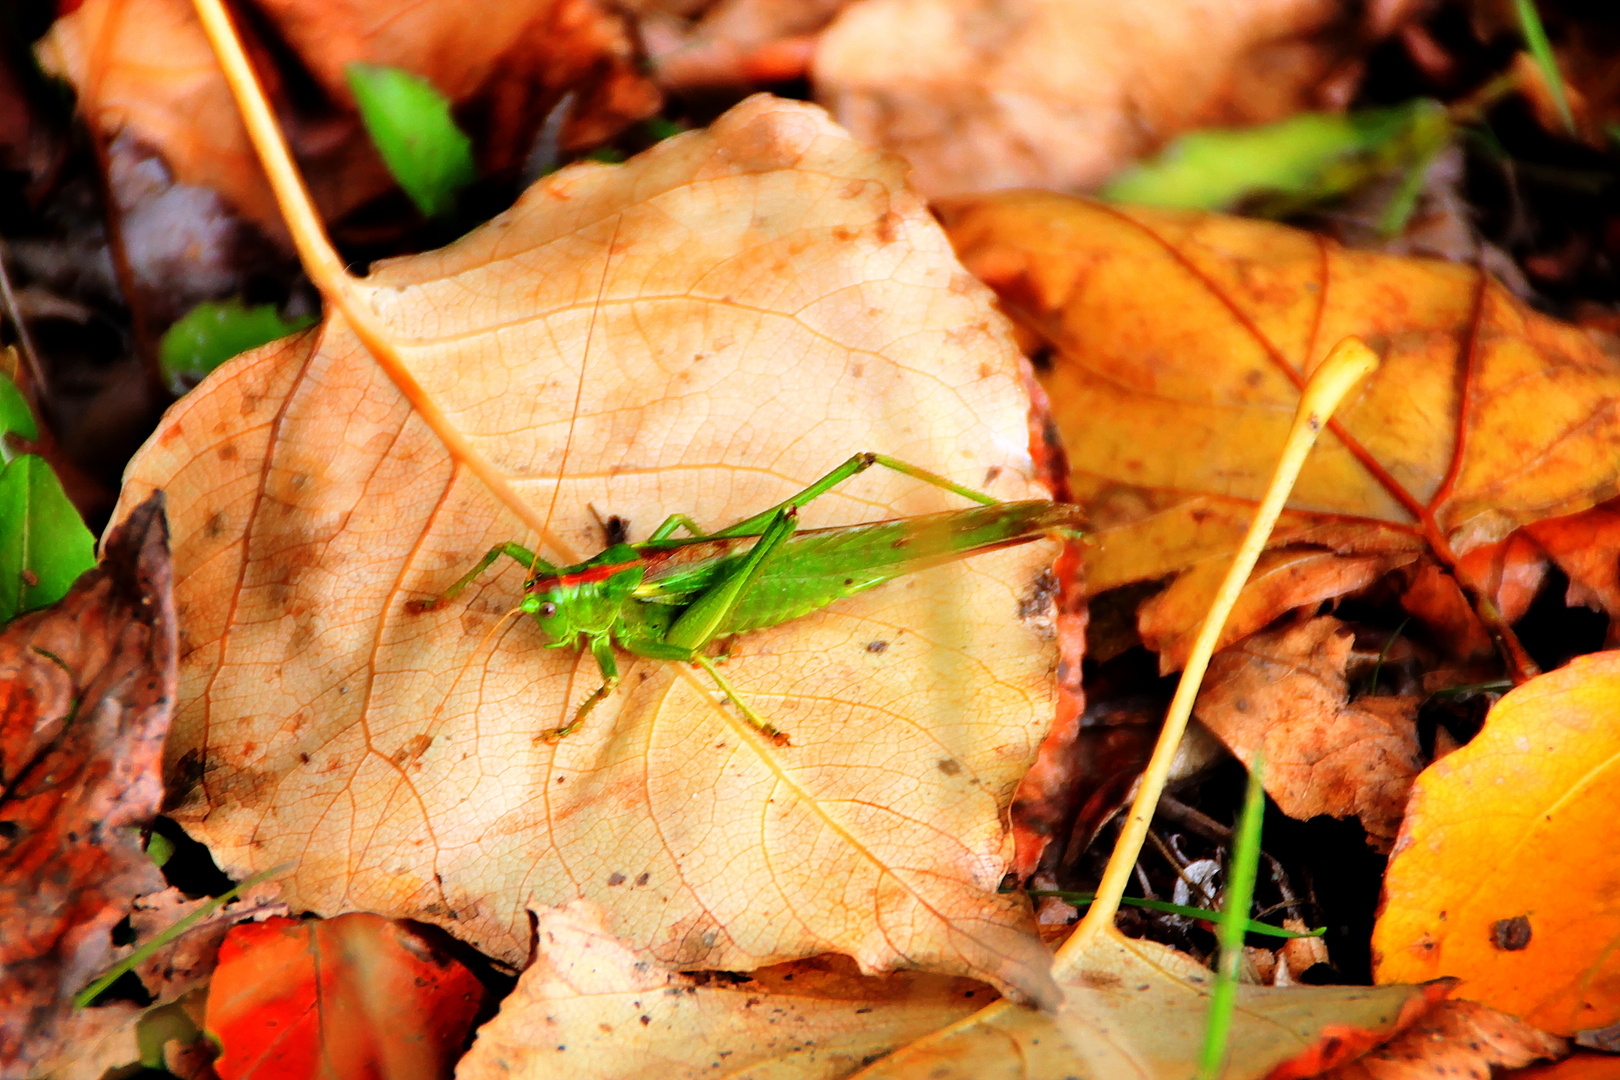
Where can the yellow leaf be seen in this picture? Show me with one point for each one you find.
(1181, 341)
(704, 330)
(1504, 875)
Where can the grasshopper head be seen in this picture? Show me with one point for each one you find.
(552, 611)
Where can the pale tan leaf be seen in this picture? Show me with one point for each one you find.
(590, 1007)
(703, 330)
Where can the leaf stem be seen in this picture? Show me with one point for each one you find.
(1343, 368)
(343, 291)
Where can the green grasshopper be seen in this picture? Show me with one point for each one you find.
(669, 598)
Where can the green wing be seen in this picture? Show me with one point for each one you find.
(816, 567)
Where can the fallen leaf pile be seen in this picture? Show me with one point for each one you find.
(88, 687)
(705, 330)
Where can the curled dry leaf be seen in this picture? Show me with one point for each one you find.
(590, 1007)
(1138, 1009)
(1453, 1039)
(704, 330)
(86, 691)
(1285, 692)
(186, 962)
(1283, 579)
(1057, 94)
(1504, 874)
(1484, 416)
(143, 68)
(354, 996)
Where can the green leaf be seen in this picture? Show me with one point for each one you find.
(213, 332)
(16, 418)
(159, 848)
(1305, 159)
(1535, 38)
(410, 124)
(44, 546)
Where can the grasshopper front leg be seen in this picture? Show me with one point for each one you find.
(512, 550)
(602, 651)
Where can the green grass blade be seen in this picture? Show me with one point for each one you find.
(410, 124)
(1252, 926)
(1535, 39)
(1240, 876)
(96, 988)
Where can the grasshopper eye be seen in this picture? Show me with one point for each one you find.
(547, 610)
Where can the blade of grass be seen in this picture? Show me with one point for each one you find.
(96, 988)
(1252, 927)
(1535, 39)
(1240, 876)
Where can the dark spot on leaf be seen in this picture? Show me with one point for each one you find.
(949, 766)
(615, 878)
(876, 646)
(641, 879)
(1513, 934)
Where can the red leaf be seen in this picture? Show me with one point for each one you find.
(358, 997)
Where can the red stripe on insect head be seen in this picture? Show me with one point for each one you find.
(588, 576)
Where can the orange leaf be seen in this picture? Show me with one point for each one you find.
(1285, 691)
(1182, 341)
(1503, 874)
(86, 690)
(354, 996)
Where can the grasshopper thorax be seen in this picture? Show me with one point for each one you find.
(584, 599)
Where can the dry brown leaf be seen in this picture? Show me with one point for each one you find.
(590, 1007)
(142, 68)
(981, 95)
(1138, 1009)
(1484, 417)
(1285, 692)
(89, 1043)
(1454, 1039)
(734, 43)
(1282, 579)
(186, 963)
(703, 330)
(86, 690)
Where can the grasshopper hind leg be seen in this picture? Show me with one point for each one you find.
(764, 726)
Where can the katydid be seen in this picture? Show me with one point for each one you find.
(669, 598)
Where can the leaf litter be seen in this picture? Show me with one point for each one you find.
(1513, 567)
(89, 687)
